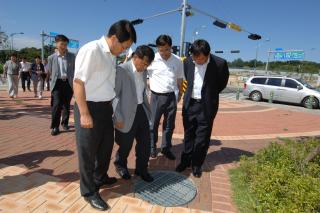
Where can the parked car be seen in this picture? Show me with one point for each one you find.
(282, 89)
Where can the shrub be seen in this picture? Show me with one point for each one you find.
(278, 179)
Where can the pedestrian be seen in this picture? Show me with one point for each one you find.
(165, 78)
(25, 69)
(206, 75)
(37, 71)
(94, 83)
(61, 66)
(11, 71)
(132, 113)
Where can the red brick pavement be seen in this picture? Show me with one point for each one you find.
(28, 150)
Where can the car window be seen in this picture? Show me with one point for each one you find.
(258, 80)
(274, 82)
(291, 83)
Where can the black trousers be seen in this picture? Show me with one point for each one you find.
(25, 76)
(61, 96)
(94, 145)
(140, 131)
(165, 105)
(197, 132)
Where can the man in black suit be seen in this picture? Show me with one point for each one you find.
(206, 75)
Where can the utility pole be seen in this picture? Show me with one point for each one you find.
(183, 27)
(43, 35)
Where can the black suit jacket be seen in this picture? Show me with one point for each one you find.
(215, 80)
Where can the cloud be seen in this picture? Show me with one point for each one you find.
(20, 42)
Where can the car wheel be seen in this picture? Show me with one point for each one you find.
(256, 96)
(315, 102)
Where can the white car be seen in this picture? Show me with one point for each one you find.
(282, 89)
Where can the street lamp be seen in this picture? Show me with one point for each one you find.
(257, 50)
(196, 31)
(11, 35)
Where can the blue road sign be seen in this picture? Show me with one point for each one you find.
(289, 56)
(72, 43)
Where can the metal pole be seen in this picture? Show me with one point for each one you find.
(267, 64)
(42, 45)
(255, 61)
(11, 50)
(183, 27)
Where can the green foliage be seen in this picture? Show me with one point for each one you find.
(278, 179)
(291, 66)
(1, 68)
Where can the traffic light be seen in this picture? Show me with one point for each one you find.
(254, 37)
(220, 23)
(187, 50)
(218, 51)
(235, 51)
(175, 50)
(137, 21)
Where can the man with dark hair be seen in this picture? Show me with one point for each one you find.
(165, 77)
(37, 71)
(132, 113)
(206, 75)
(61, 71)
(25, 69)
(11, 71)
(94, 84)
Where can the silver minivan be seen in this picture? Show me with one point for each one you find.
(283, 89)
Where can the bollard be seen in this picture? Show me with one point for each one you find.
(271, 97)
(238, 94)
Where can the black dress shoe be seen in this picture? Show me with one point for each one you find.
(196, 171)
(123, 173)
(97, 202)
(153, 153)
(168, 154)
(181, 167)
(65, 127)
(106, 181)
(55, 131)
(144, 176)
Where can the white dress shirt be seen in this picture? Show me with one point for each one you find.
(163, 74)
(25, 66)
(138, 79)
(199, 73)
(62, 65)
(96, 67)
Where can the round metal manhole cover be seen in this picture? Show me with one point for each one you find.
(168, 189)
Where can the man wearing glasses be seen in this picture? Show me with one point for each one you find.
(165, 78)
(94, 83)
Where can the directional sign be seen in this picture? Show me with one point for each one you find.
(289, 55)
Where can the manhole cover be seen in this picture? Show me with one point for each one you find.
(168, 189)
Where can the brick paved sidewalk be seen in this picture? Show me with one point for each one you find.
(39, 173)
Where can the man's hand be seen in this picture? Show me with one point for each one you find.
(119, 125)
(86, 121)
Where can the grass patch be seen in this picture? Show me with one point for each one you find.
(276, 179)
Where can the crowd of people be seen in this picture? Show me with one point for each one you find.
(112, 102)
(36, 72)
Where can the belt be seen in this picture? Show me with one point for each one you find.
(164, 94)
(194, 100)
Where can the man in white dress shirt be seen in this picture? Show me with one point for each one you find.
(165, 77)
(25, 74)
(94, 83)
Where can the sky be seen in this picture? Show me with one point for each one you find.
(287, 24)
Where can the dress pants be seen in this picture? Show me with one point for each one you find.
(25, 76)
(140, 131)
(94, 145)
(166, 105)
(197, 132)
(61, 96)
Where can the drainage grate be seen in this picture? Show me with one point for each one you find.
(168, 189)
